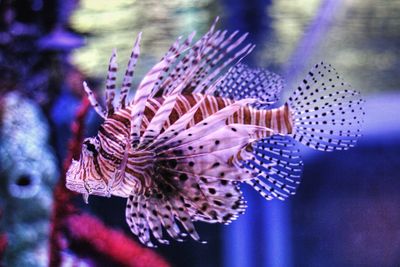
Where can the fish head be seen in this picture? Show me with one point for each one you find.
(83, 176)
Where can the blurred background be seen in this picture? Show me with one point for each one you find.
(345, 212)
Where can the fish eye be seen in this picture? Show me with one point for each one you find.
(89, 146)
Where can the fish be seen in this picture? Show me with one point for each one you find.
(201, 124)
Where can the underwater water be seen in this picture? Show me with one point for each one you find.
(345, 212)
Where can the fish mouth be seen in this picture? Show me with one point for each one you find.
(76, 182)
(81, 188)
(72, 181)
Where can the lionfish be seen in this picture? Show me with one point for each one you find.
(201, 123)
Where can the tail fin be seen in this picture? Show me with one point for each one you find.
(327, 114)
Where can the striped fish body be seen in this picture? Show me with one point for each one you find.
(116, 129)
(200, 124)
(278, 120)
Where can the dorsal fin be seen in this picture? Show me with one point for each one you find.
(244, 82)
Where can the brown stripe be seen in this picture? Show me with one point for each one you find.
(108, 156)
(152, 107)
(143, 126)
(106, 165)
(178, 107)
(230, 161)
(186, 102)
(119, 124)
(174, 116)
(213, 104)
(126, 113)
(156, 102)
(268, 117)
(235, 117)
(107, 146)
(198, 116)
(139, 154)
(110, 136)
(208, 107)
(190, 99)
(85, 168)
(122, 119)
(98, 170)
(258, 115)
(148, 158)
(246, 115)
(138, 164)
(286, 117)
(239, 156)
(116, 128)
(220, 103)
(278, 119)
(135, 174)
(148, 113)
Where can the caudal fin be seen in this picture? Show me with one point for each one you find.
(327, 114)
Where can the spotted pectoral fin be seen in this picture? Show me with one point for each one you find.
(138, 219)
(215, 154)
(178, 199)
(206, 198)
(149, 215)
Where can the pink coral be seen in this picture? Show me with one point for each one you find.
(3, 244)
(92, 235)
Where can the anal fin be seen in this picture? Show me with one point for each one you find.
(278, 166)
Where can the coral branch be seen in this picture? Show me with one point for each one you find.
(94, 238)
(62, 196)
(3, 241)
